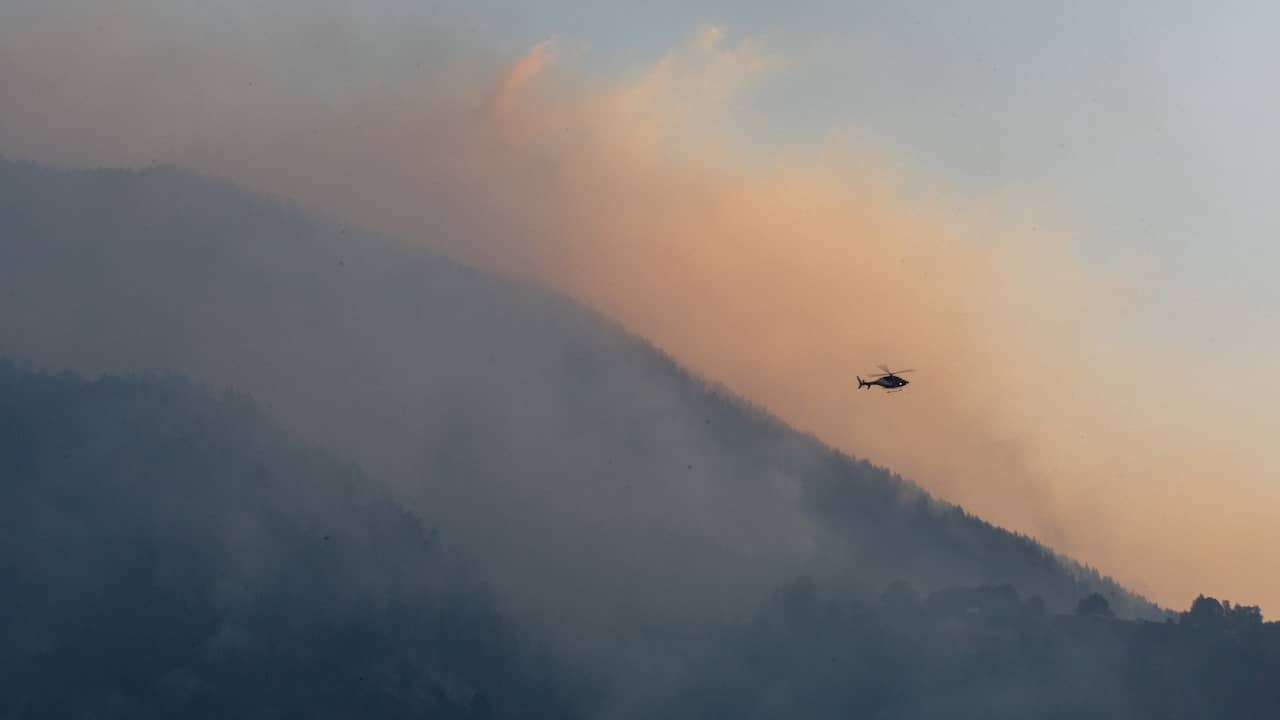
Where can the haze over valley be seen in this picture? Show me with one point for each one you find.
(432, 369)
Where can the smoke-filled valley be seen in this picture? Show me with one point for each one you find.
(617, 537)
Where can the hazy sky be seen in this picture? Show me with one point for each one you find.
(1151, 124)
(1056, 212)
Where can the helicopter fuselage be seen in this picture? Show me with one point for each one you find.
(887, 382)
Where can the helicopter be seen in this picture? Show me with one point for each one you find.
(889, 380)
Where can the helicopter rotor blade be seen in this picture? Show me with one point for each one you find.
(888, 372)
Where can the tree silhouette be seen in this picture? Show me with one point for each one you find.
(1094, 606)
(1205, 612)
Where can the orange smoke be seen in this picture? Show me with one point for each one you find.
(783, 273)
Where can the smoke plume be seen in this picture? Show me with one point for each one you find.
(782, 271)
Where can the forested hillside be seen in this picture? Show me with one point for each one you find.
(168, 553)
(984, 652)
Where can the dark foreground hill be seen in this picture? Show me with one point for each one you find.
(165, 553)
(984, 653)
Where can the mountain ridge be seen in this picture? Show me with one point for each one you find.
(201, 276)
